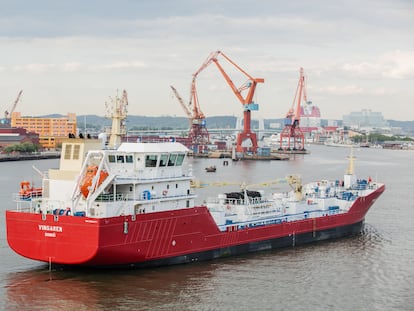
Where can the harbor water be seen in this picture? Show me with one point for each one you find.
(371, 271)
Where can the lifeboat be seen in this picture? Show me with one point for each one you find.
(86, 183)
(27, 191)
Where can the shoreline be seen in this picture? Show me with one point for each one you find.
(24, 157)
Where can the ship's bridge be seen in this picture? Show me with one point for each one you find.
(147, 160)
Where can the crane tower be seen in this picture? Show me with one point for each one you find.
(292, 136)
(198, 133)
(246, 101)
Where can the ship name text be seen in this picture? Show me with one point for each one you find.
(50, 228)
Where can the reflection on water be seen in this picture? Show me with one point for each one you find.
(84, 289)
(215, 285)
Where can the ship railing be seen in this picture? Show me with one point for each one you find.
(17, 197)
(108, 197)
(280, 219)
(23, 205)
(232, 201)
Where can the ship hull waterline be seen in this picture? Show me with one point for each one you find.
(165, 238)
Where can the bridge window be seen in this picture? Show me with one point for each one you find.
(163, 160)
(120, 159)
(171, 160)
(129, 159)
(180, 159)
(151, 160)
(111, 158)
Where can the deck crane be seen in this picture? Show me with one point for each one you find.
(198, 133)
(7, 114)
(247, 101)
(292, 129)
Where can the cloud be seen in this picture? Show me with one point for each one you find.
(120, 66)
(34, 68)
(340, 90)
(76, 67)
(398, 64)
(393, 65)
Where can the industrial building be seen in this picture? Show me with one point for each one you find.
(365, 118)
(51, 130)
(13, 136)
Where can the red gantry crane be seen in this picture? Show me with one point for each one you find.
(198, 133)
(291, 133)
(246, 101)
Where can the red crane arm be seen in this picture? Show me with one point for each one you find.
(294, 112)
(250, 84)
(197, 113)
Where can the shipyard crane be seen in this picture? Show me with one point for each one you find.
(292, 130)
(247, 100)
(183, 105)
(198, 133)
(7, 114)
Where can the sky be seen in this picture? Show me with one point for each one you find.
(73, 56)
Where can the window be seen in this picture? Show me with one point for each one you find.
(129, 159)
(171, 160)
(120, 159)
(151, 160)
(163, 160)
(111, 158)
(180, 159)
(68, 152)
(76, 150)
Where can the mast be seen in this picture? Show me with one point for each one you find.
(349, 176)
(117, 111)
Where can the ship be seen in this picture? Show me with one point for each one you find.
(132, 204)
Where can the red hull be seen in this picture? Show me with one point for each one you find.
(155, 237)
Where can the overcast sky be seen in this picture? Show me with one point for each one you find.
(71, 56)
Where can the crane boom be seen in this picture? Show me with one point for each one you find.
(181, 101)
(246, 101)
(249, 84)
(8, 114)
(300, 91)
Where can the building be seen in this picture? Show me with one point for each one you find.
(365, 119)
(310, 116)
(52, 131)
(12, 136)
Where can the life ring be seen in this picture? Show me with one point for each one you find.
(165, 192)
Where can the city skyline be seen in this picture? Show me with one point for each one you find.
(71, 56)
